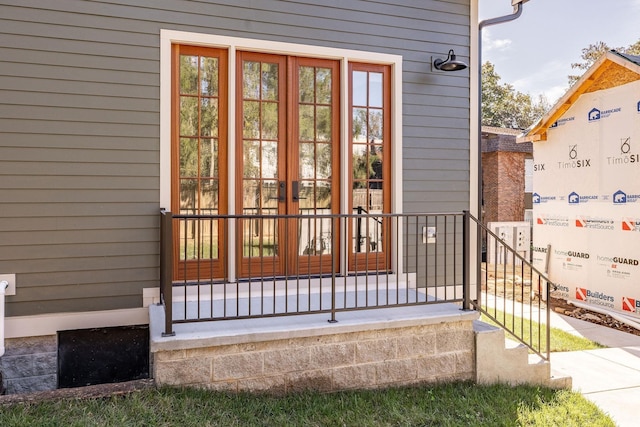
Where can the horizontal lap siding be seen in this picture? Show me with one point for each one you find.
(79, 126)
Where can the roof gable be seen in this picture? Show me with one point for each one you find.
(611, 70)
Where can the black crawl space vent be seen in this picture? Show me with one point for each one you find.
(104, 355)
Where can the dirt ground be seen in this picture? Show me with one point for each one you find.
(515, 283)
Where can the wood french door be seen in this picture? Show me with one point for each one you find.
(199, 152)
(287, 163)
(370, 155)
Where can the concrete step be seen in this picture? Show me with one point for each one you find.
(501, 360)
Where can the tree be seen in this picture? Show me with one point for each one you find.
(593, 52)
(503, 106)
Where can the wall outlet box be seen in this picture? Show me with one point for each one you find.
(11, 279)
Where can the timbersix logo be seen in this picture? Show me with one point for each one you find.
(631, 304)
(626, 157)
(594, 297)
(595, 114)
(574, 162)
(574, 198)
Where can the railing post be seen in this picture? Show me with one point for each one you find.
(466, 259)
(548, 315)
(334, 255)
(359, 230)
(166, 270)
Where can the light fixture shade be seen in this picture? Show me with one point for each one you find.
(449, 64)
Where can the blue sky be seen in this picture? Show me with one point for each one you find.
(534, 53)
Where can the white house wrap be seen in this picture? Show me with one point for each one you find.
(586, 201)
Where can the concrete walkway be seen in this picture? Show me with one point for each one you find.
(608, 377)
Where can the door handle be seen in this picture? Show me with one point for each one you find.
(282, 191)
(295, 190)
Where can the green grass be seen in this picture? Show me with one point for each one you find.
(560, 340)
(459, 404)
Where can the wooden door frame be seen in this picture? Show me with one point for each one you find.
(373, 260)
(288, 261)
(214, 268)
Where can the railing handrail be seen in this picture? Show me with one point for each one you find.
(541, 277)
(514, 252)
(316, 215)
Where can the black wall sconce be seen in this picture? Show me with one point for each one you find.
(449, 64)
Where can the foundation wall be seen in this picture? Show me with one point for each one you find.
(353, 360)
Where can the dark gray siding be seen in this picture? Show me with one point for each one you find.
(79, 126)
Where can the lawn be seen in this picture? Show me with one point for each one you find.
(458, 404)
(530, 331)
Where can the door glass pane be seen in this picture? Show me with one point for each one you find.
(323, 196)
(251, 80)
(307, 160)
(367, 236)
(250, 197)
(375, 90)
(306, 132)
(307, 197)
(260, 234)
(208, 196)
(188, 74)
(269, 159)
(209, 117)
(323, 123)
(259, 237)
(306, 83)
(251, 119)
(375, 125)
(314, 236)
(209, 76)
(323, 85)
(269, 120)
(360, 166)
(188, 157)
(323, 161)
(251, 159)
(188, 197)
(189, 116)
(359, 88)
(208, 158)
(269, 82)
(359, 125)
(269, 192)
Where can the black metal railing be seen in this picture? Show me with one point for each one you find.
(216, 267)
(513, 293)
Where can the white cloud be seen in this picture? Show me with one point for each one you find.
(490, 44)
(554, 93)
(550, 80)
